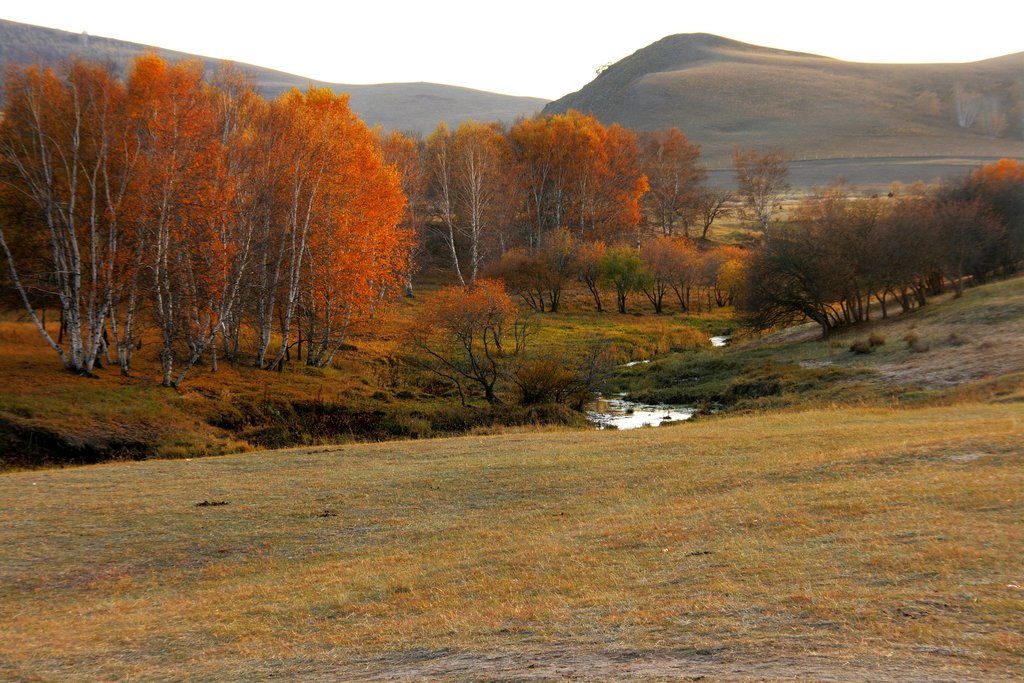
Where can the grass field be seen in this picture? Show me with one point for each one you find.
(864, 522)
(862, 544)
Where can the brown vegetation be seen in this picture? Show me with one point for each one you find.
(814, 107)
(868, 544)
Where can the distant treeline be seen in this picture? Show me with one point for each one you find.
(838, 256)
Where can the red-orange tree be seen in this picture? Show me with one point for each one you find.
(578, 174)
(67, 159)
(469, 336)
(227, 210)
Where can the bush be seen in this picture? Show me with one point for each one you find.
(549, 381)
(915, 344)
(956, 340)
(862, 346)
(754, 389)
(875, 339)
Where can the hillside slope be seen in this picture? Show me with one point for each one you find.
(401, 106)
(724, 93)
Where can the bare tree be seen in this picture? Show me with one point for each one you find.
(761, 182)
(709, 205)
(967, 106)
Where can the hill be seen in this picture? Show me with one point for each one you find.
(401, 106)
(724, 93)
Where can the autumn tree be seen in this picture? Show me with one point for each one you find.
(969, 231)
(358, 253)
(709, 205)
(405, 154)
(202, 195)
(184, 206)
(578, 174)
(539, 278)
(686, 271)
(662, 261)
(588, 265)
(1000, 186)
(622, 268)
(67, 152)
(671, 163)
(470, 337)
(469, 174)
(761, 183)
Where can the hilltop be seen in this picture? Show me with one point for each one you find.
(399, 106)
(724, 93)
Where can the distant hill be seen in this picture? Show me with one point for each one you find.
(402, 106)
(724, 93)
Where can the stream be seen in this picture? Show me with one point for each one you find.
(618, 413)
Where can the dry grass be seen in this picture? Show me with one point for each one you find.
(727, 94)
(133, 417)
(866, 544)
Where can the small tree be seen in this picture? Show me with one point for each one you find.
(622, 268)
(589, 257)
(662, 260)
(709, 205)
(469, 336)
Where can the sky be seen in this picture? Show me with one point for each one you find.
(540, 48)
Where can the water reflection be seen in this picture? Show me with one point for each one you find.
(618, 413)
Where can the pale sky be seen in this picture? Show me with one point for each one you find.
(542, 48)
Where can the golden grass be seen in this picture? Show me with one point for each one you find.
(857, 535)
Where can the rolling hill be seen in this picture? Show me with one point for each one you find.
(724, 93)
(401, 106)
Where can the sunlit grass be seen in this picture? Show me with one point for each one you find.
(848, 531)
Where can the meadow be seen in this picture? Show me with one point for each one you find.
(864, 525)
(858, 543)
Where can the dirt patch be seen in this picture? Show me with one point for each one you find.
(951, 361)
(26, 445)
(712, 664)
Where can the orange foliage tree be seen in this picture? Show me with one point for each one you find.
(67, 158)
(184, 205)
(469, 336)
(218, 204)
(671, 164)
(579, 174)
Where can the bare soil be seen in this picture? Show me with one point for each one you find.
(713, 664)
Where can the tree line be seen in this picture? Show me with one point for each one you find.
(484, 190)
(196, 207)
(840, 256)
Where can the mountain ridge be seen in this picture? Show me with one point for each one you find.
(724, 93)
(417, 106)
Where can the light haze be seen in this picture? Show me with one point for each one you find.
(528, 47)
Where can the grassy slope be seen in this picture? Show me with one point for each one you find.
(967, 345)
(871, 544)
(724, 93)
